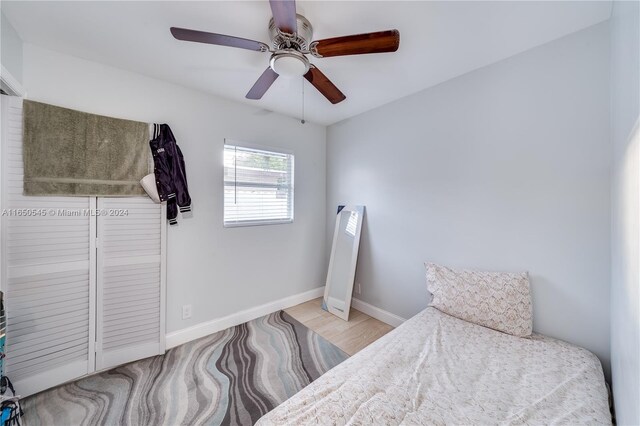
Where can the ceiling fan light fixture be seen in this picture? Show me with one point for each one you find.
(289, 63)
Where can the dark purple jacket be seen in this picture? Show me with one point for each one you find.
(169, 168)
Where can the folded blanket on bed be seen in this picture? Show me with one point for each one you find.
(68, 152)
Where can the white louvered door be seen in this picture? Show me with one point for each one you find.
(83, 291)
(131, 280)
(48, 274)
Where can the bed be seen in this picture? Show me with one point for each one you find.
(438, 369)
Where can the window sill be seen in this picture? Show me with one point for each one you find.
(256, 223)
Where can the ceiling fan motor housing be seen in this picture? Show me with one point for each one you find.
(288, 60)
(298, 41)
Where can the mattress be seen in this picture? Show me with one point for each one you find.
(437, 369)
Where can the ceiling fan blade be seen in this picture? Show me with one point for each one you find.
(219, 39)
(284, 15)
(262, 85)
(379, 42)
(324, 85)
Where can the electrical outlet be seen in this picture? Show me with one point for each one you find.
(358, 288)
(186, 312)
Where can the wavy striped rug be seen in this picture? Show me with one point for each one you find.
(231, 377)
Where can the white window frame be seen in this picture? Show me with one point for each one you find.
(275, 150)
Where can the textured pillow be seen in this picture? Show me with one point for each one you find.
(498, 300)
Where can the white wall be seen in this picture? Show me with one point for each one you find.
(625, 239)
(10, 48)
(218, 270)
(504, 168)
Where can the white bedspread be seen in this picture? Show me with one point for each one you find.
(437, 369)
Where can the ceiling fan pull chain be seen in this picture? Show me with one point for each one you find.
(302, 121)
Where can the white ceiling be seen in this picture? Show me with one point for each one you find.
(438, 41)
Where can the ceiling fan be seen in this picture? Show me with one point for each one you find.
(291, 36)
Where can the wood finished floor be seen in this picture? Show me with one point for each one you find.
(350, 336)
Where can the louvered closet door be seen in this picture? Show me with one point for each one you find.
(48, 277)
(131, 280)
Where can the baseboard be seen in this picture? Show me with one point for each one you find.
(377, 313)
(177, 338)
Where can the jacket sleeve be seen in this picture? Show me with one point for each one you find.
(172, 211)
(180, 183)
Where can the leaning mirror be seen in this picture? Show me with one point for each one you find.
(342, 265)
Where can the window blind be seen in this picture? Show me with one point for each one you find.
(258, 186)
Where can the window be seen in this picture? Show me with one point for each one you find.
(258, 186)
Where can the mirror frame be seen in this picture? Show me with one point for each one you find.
(352, 270)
